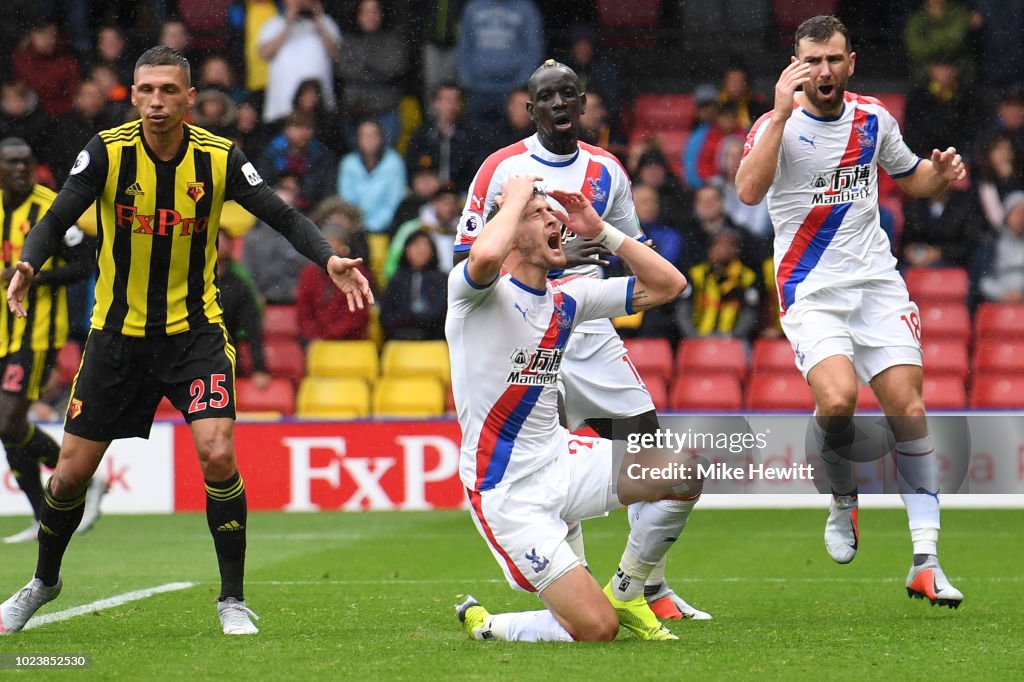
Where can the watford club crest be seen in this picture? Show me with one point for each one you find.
(75, 408)
(196, 190)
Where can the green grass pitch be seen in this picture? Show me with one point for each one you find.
(369, 597)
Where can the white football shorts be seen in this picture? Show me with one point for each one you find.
(525, 522)
(597, 379)
(874, 324)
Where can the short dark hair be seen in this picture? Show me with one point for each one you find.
(161, 55)
(819, 29)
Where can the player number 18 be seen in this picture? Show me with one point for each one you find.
(913, 323)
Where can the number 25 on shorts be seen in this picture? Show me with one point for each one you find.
(218, 398)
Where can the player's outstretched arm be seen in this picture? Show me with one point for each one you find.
(350, 281)
(490, 249)
(18, 288)
(933, 175)
(657, 280)
(757, 169)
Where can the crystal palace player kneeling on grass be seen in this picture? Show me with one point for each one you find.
(506, 335)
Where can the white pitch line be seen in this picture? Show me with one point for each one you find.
(107, 603)
(674, 580)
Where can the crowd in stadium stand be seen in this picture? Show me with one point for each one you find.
(372, 116)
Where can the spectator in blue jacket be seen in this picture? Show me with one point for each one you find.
(372, 177)
(499, 47)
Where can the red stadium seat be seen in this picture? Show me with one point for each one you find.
(866, 400)
(946, 321)
(779, 392)
(790, 13)
(68, 360)
(280, 321)
(628, 23)
(671, 142)
(728, 356)
(999, 320)
(773, 355)
(937, 285)
(1000, 357)
(944, 392)
(658, 113)
(207, 21)
(651, 357)
(707, 392)
(895, 102)
(285, 359)
(658, 388)
(945, 357)
(998, 392)
(279, 396)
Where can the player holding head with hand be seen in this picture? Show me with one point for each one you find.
(598, 383)
(844, 307)
(526, 477)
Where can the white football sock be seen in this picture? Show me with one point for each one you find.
(655, 527)
(917, 470)
(528, 626)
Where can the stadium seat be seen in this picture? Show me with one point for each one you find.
(773, 355)
(411, 397)
(651, 357)
(333, 398)
(789, 14)
(658, 113)
(1001, 357)
(342, 359)
(727, 356)
(895, 102)
(998, 392)
(243, 362)
(944, 392)
(657, 386)
(628, 23)
(937, 285)
(945, 357)
(378, 245)
(285, 359)
(946, 321)
(707, 392)
(375, 332)
(866, 400)
(279, 396)
(671, 142)
(69, 358)
(779, 392)
(207, 21)
(416, 359)
(999, 320)
(280, 322)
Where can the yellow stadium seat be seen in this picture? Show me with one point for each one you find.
(376, 331)
(333, 398)
(416, 397)
(235, 220)
(379, 244)
(416, 359)
(342, 359)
